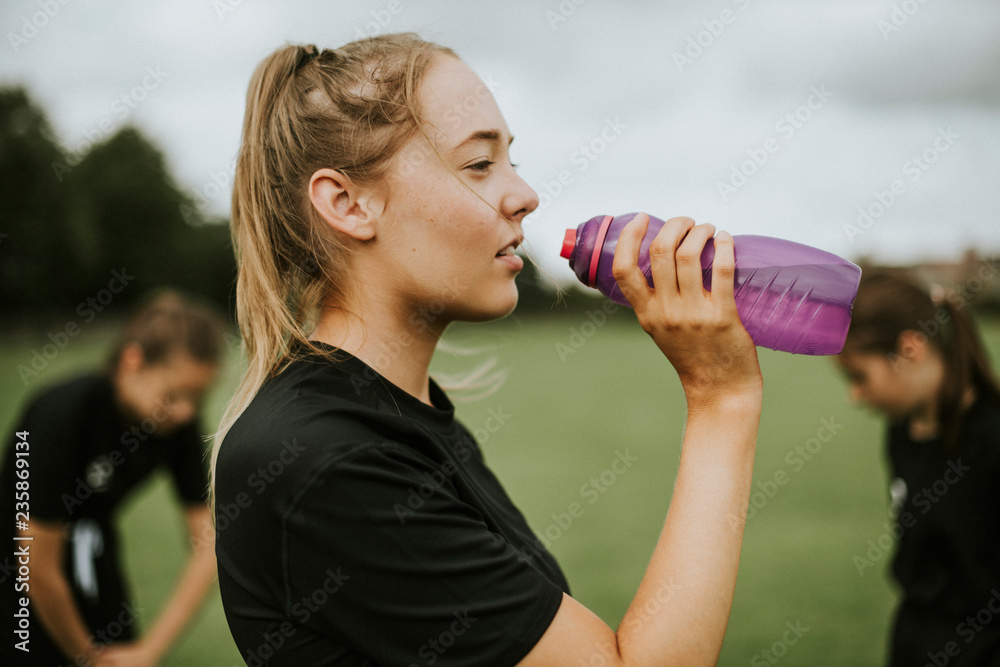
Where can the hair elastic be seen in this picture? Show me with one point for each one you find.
(307, 55)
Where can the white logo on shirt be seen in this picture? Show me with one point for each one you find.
(99, 473)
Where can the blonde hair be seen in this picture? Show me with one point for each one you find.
(351, 109)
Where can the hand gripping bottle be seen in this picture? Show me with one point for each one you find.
(789, 296)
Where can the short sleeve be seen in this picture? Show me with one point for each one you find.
(186, 462)
(56, 446)
(381, 553)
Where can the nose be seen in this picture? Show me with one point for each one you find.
(520, 199)
(855, 393)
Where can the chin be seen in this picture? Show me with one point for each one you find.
(506, 305)
(493, 309)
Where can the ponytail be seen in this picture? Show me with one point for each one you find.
(967, 365)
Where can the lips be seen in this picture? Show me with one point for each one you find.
(507, 257)
(509, 249)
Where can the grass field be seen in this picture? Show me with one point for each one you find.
(820, 483)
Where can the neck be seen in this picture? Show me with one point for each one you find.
(925, 423)
(396, 343)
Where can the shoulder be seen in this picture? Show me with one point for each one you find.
(303, 404)
(981, 426)
(75, 397)
(315, 414)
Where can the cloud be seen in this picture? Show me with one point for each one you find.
(697, 90)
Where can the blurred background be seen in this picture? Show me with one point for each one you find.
(869, 129)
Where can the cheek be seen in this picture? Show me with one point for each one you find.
(887, 391)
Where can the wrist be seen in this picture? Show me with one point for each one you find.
(733, 401)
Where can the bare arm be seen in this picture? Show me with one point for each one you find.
(187, 596)
(680, 612)
(50, 593)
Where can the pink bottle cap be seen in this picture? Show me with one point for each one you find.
(569, 242)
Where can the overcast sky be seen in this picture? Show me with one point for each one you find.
(777, 117)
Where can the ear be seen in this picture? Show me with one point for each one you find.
(342, 204)
(912, 345)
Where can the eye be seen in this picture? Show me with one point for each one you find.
(482, 166)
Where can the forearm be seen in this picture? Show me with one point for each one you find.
(55, 607)
(681, 609)
(186, 599)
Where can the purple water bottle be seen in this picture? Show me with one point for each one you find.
(789, 296)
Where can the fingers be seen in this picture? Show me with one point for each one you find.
(724, 269)
(661, 255)
(625, 267)
(688, 259)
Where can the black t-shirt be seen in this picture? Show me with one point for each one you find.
(948, 554)
(85, 457)
(357, 525)
(84, 460)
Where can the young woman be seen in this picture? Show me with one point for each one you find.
(921, 364)
(357, 524)
(89, 443)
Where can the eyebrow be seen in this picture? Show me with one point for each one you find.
(483, 135)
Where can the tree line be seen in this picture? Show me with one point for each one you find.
(80, 230)
(77, 230)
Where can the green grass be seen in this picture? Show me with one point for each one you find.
(565, 422)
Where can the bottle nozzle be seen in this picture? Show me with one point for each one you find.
(569, 242)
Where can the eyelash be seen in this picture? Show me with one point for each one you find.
(481, 166)
(484, 166)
